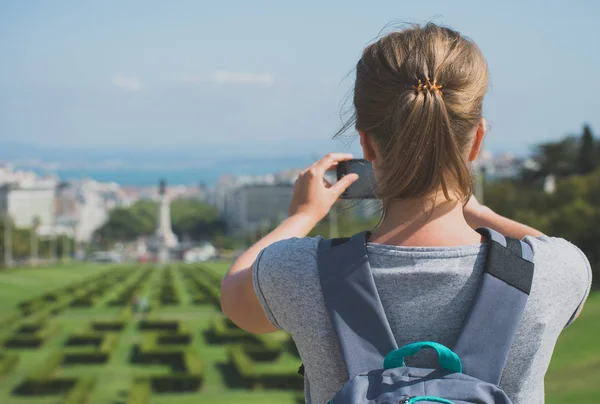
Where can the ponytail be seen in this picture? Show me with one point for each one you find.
(419, 95)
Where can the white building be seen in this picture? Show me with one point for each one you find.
(25, 202)
(83, 206)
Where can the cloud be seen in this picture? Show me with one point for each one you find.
(243, 78)
(127, 83)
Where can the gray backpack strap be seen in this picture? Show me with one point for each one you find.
(353, 303)
(491, 325)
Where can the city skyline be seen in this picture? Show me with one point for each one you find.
(250, 78)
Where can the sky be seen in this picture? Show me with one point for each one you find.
(270, 77)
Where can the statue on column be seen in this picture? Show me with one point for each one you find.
(164, 234)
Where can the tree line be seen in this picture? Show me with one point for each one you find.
(190, 218)
(572, 209)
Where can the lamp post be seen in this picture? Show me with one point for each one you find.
(479, 180)
(333, 222)
(35, 223)
(53, 246)
(8, 261)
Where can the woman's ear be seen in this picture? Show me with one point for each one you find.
(368, 146)
(477, 140)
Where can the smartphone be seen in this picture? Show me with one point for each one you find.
(365, 186)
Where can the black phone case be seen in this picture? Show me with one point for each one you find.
(342, 170)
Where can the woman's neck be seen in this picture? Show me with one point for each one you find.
(418, 223)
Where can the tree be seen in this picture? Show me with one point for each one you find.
(558, 158)
(588, 152)
(189, 217)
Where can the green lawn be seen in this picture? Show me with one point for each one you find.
(573, 376)
(19, 284)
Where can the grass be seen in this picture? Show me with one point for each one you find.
(572, 378)
(114, 379)
(575, 368)
(19, 284)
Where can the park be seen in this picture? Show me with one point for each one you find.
(69, 334)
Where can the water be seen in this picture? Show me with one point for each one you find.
(207, 175)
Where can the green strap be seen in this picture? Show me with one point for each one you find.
(448, 359)
(430, 399)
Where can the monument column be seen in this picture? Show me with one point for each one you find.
(164, 234)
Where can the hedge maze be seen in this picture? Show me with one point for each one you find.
(86, 343)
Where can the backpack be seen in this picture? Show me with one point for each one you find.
(469, 373)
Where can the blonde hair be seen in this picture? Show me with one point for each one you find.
(419, 95)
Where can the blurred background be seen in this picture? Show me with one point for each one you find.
(145, 144)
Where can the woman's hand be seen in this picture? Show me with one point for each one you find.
(313, 197)
(313, 194)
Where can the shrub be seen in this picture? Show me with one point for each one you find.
(140, 392)
(85, 358)
(225, 331)
(8, 319)
(85, 340)
(174, 339)
(109, 343)
(175, 383)
(241, 362)
(29, 328)
(108, 325)
(261, 354)
(193, 362)
(159, 325)
(47, 368)
(23, 343)
(7, 363)
(241, 358)
(44, 387)
(80, 393)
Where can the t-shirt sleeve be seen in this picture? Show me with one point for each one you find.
(277, 276)
(586, 278)
(573, 269)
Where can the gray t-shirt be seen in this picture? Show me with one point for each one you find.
(426, 293)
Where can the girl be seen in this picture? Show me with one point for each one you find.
(418, 110)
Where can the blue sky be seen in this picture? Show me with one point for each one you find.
(269, 77)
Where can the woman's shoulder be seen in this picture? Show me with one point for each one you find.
(286, 262)
(557, 251)
(562, 271)
(292, 249)
(284, 275)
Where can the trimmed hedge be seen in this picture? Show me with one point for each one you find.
(6, 320)
(140, 392)
(159, 325)
(108, 325)
(89, 339)
(260, 354)
(224, 331)
(253, 377)
(44, 387)
(85, 358)
(206, 284)
(80, 393)
(47, 368)
(7, 363)
(174, 339)
(175, 383)
(31, 335)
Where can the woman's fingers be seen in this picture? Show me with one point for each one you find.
(339, 187)
(329, 161)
